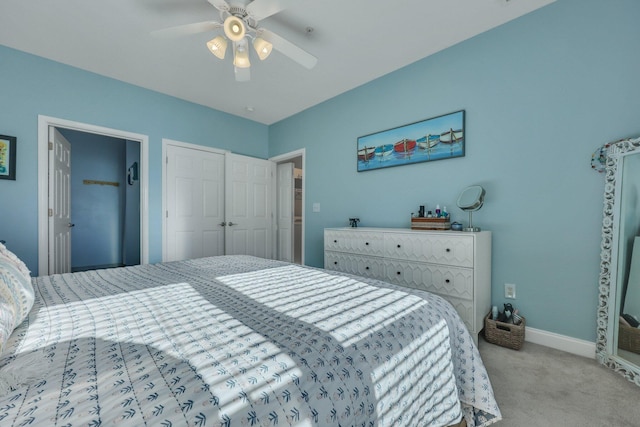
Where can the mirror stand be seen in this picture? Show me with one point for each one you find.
(471, 228)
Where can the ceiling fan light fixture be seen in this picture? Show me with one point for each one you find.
(218, 46)
(234, 28)
(241, 58)
(263, 48)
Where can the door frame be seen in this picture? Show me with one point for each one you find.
(282, 158)
(165, 142)
(44, 122)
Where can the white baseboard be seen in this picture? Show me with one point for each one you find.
(561, 342)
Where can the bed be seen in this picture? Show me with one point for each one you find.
(234, 341)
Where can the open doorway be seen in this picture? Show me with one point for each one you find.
(101, 210)
(105, 201)
(290, 207)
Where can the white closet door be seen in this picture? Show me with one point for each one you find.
(59, 203)
(248, 205)
(195, 203)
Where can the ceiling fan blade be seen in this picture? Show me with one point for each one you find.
(188, 29)
(260, 9)
(242, 74)
(221, 5)
(289, 49)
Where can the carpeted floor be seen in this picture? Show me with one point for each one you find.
(543, 387)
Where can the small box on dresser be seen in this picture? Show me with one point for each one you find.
(454, 265)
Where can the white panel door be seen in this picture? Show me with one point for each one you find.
(59, 203)
(248, 183)
(195, 203)
(285, 211)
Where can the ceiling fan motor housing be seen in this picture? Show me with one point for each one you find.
(241, 12)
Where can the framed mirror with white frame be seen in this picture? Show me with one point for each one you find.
(618, 317)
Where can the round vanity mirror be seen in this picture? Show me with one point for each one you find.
(471, 199)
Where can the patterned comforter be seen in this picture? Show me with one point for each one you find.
(240, 341)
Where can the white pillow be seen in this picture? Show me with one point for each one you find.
(16, 293)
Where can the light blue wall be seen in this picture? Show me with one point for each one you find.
(32, 86)
(541, 93)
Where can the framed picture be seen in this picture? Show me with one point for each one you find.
(437, 138)
(7, 157)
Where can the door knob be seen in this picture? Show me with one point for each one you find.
(232, 223)
(222, 224)
(71, 225)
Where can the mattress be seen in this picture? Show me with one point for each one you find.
(240, 341)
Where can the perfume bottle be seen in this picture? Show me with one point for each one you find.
(438, 213)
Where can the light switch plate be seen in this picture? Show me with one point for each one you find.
(510, 290)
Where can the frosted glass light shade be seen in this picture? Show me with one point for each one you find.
(263, 48)
(218, 46)
(241, 59)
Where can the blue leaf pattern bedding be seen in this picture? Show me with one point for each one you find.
(241, 341)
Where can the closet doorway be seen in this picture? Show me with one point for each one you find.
(92, 204)
(105, 201)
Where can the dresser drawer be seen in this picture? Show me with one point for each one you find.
(352, 264)
(436, 248)
(443, 280)
(357, 242)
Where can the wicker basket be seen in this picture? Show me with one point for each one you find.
(629, 338)
(504, 334)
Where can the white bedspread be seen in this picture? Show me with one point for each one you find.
(241, 341)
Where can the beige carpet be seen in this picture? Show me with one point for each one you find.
(540, 386)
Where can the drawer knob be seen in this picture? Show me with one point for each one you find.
(447, 280)
(448, 250)
(366, 268)
(399, 245)
(367, 243)
(335, 241)
(398, 273)
(335, 262)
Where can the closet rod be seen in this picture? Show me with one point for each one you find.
(96, 182)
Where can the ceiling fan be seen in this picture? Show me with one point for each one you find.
(240, 25)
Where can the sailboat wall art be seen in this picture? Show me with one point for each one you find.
(437, 138)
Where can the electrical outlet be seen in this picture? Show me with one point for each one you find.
(510, 290)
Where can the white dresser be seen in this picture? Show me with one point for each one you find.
(455, 265)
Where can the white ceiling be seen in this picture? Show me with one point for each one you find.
(355, 41)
